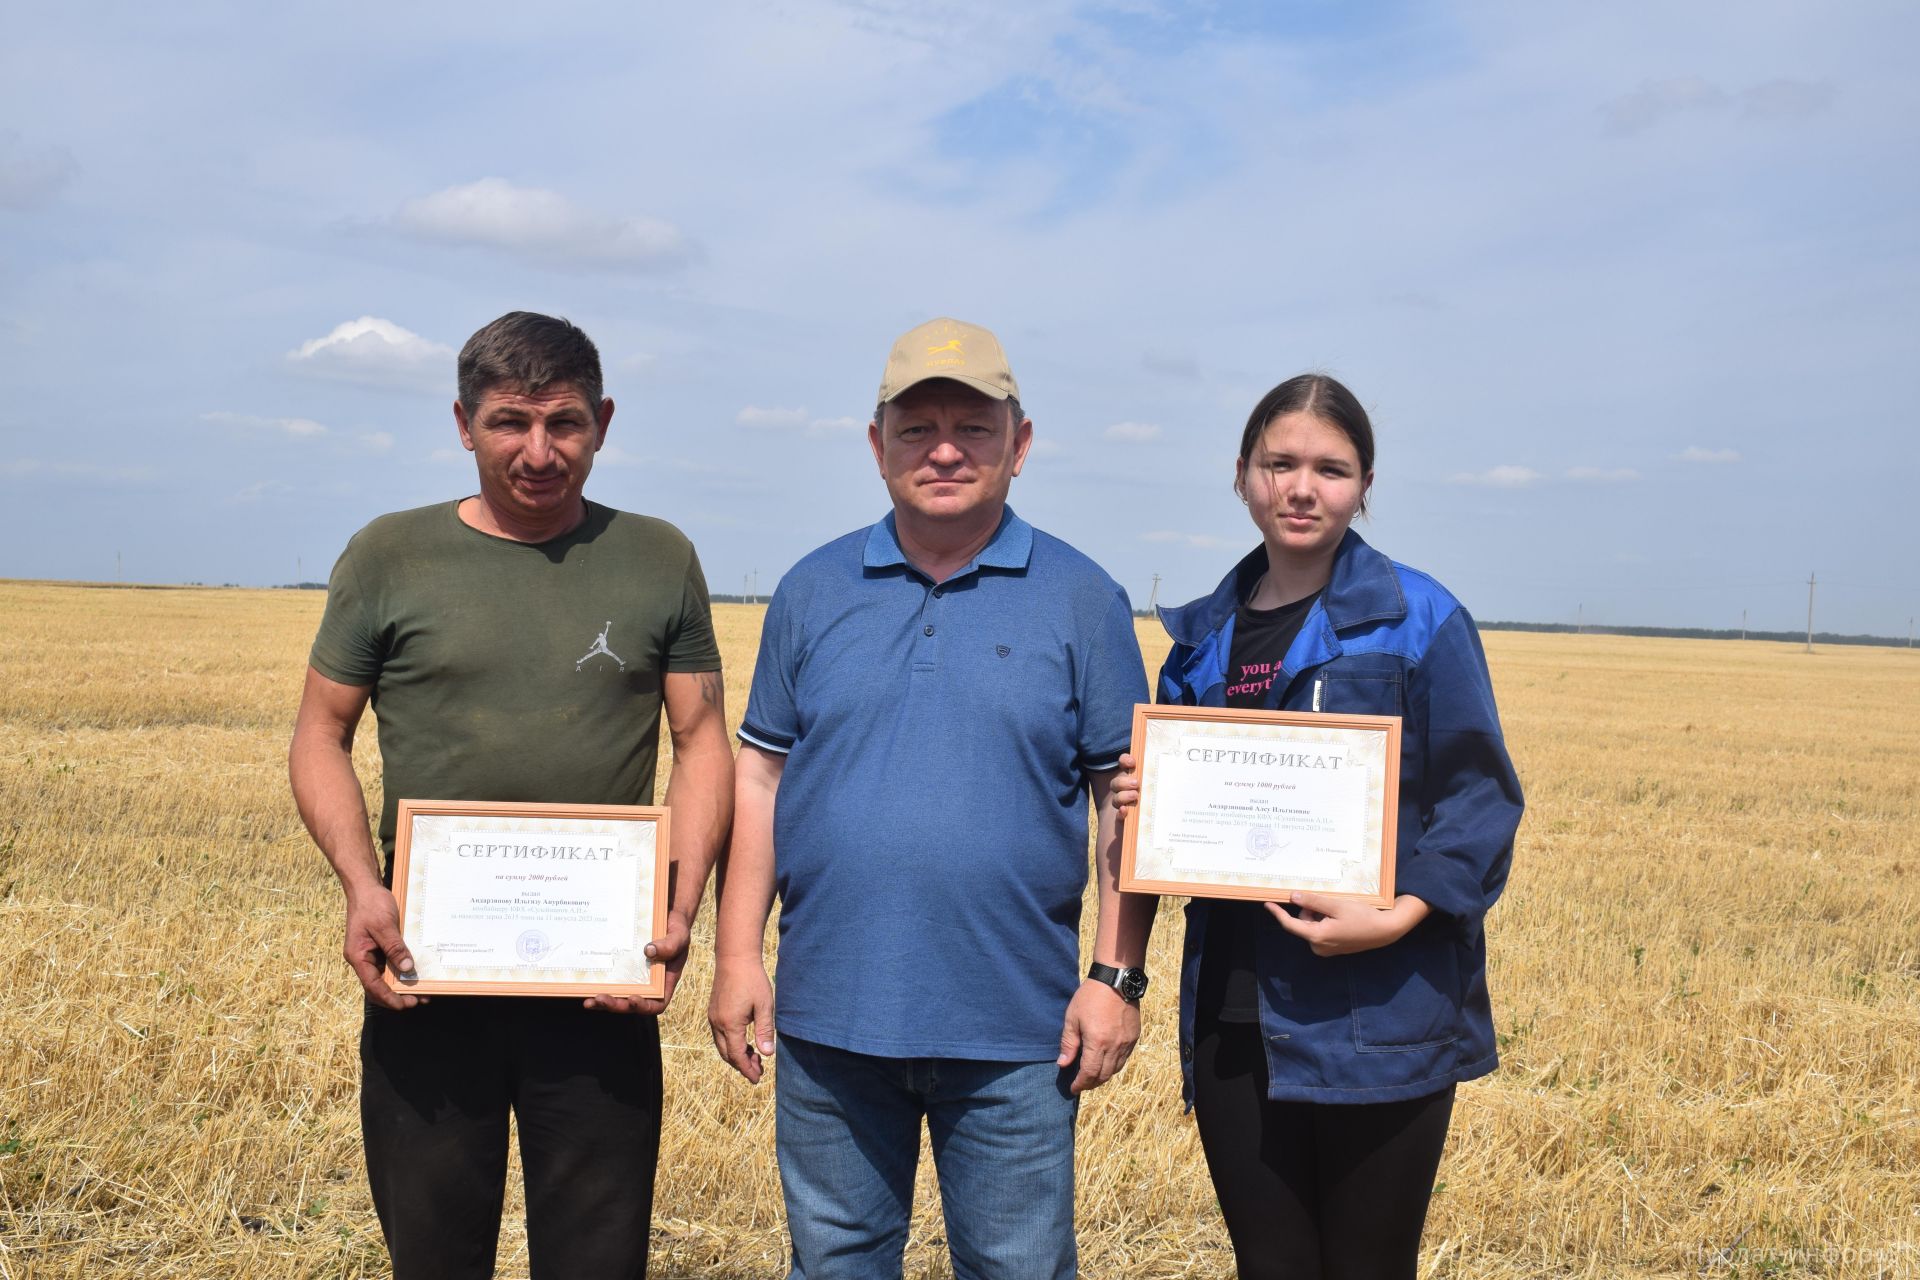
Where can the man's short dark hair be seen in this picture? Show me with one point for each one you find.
(528, 351)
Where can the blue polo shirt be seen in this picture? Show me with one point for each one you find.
(931, 828)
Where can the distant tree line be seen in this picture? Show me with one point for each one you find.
(1592, 629)
(1694, 633)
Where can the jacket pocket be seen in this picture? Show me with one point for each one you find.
(1362, 693)
(1406, 996)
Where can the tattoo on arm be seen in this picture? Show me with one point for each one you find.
(711, 687)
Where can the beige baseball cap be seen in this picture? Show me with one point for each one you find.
(947, 348)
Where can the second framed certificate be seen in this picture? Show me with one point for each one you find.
(1257, 804)
(530, 899)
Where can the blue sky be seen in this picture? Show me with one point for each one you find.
(1630, 290)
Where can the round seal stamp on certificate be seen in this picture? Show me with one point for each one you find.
(532, 946)
(1261, 843)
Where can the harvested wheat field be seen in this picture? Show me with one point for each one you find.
(1706, 972)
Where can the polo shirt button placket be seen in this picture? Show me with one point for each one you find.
(924, 651)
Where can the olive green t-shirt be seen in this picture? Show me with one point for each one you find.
(509, 670)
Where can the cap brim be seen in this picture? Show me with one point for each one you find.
(985, 388)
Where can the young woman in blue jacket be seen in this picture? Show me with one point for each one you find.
(1321, 1039)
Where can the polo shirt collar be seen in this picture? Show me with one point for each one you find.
(1010, 547)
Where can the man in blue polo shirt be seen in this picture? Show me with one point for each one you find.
(936, 696)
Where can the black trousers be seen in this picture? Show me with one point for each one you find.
(437, 1084)
(1311, 1190)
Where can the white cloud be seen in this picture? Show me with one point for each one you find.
(1657, 101)
(1785, 100)
(542, 226)
(757, 418)
(261, 490)
(1603, 475)
(1199, 541)
(296, 428)
(30, 176)
(1502, 477)
(1170, 364)
(1694, 453)
(771, 419)
(1132, 432)
(376, 353)
(23, 467)
(612, 455)
(303, 429)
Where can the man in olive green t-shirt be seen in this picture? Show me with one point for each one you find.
(519, 644)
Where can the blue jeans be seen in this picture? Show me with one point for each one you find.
(848, 1137)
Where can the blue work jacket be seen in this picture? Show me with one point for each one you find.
(1408, 1019)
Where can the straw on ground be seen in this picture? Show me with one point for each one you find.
(1706, 974)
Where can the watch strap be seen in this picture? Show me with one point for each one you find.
(1130, 984)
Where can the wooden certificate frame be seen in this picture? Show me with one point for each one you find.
(531, 899)
(1254, 805)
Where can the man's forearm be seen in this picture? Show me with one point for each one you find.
(746, 900)
(700, 793)
(327, 793)
(747, 875)
(1125, 920)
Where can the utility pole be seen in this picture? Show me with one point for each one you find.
(1909, 633)
(1154, 594)
(299, 572)
(117, 575)
(1743, 624)
(1580, 619)
(1810, 578)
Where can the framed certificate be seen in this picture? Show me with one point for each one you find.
(530, 899)
(1256, 804)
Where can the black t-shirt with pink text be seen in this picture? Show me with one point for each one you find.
(1261, 638)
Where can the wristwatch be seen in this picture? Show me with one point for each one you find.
(1130, 983)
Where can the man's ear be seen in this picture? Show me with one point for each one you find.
(605, 416)
(466, 428)
(1022, 442)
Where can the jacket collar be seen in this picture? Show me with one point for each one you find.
(1363, 589)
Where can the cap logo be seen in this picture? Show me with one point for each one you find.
(947, 348)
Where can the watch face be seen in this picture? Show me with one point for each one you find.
(1133, 983)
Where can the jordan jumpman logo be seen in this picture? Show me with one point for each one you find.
(600, 647)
